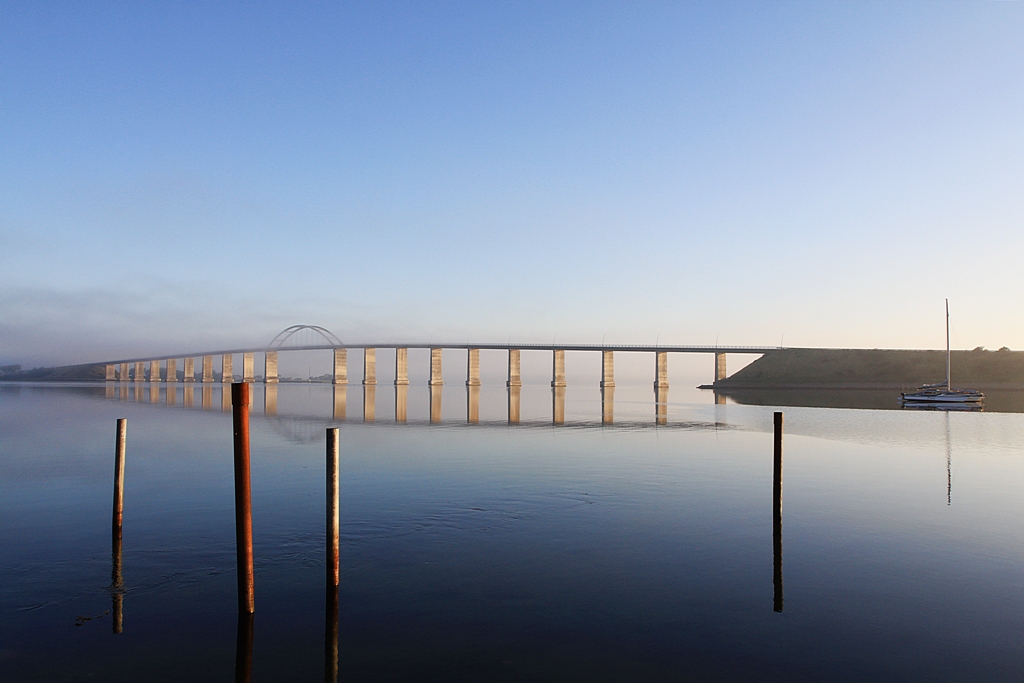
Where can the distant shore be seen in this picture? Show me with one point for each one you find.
(872, 369)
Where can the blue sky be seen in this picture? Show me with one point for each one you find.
(179, 176)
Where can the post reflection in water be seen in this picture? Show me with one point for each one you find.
(154, 393)
(270, 399)
(340, 401)
(369, 402)
(188, 396)
(661, 405)
(472, 404)
(777, 513)
(331, 635)
(207, 398)
(401, 402)
(558, 405)
(138, 393)
(172, 392)
(435, 403)
(514, 401)
(607, 405)
(116, 582)
(243, 647)
(225, 398)
(109, 390)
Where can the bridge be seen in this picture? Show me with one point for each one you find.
(315, 338)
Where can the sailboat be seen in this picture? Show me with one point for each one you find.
(942, 394)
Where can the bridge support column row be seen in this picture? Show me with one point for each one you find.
(207, 369)
(190, 369)
(401, 369)
(140, 372)
(608, 369)
(154, 371)
(340, 366)
(270, 367)
(720, 366)
(558, 368)
(227, 374)
(172, 370)
(110, 376)
(248, 368)
(369, 367)
(514, 375)
(473, 368)
(436, 379)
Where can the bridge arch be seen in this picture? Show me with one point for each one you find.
(289, 332)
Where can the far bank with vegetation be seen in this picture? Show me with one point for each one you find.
(878, 369)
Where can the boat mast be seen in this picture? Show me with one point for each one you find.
(947, 344)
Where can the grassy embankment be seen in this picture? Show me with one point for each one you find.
(878, 369)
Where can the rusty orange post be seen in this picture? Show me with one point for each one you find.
(243, 498)
(333, 514)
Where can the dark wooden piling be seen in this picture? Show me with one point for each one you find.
(243, 498)
(117, 518)
(777, 513)
(333, 514)
(333, 557)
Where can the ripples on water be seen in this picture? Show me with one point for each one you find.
(533, 551)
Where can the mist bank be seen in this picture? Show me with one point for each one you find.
(878, 369)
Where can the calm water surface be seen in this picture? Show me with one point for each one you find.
(490, 551)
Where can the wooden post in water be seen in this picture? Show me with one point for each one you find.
(333, 556)
(243, 499)
(333, 514)
(777, 513)
(116, 579)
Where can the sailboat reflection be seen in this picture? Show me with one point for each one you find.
(777, 515)
(949, 465)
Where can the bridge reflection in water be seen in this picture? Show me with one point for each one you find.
(323, 404)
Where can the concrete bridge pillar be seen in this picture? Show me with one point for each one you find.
(110, 376)
(473, 368)
(401, 402)
(190, 369)
(607, 368)
(660, 370)
(207, 369)
(558, 368)
(340, 366)
(558, 405)
(402, 369)
(270, 368)
(340, 401)
(514, 402)
(719, 366)
(248, 368)
(514, 379)
(369, 367)
(124, 371)
(140, 372)
(172, 370)
(227, 374)
(436, 378)
(154, 371)
(473, 404)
